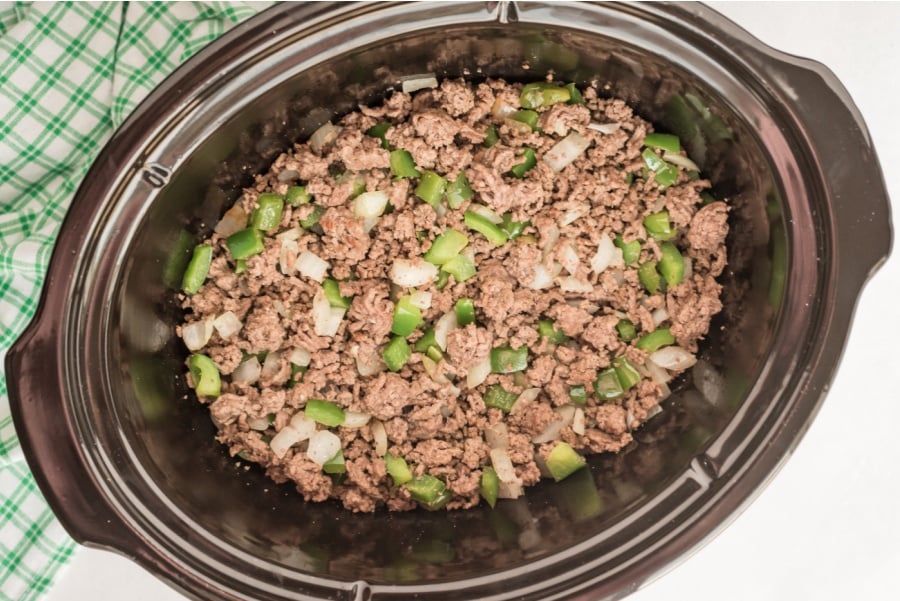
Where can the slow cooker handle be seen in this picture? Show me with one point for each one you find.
(848, 163)
(47, 436)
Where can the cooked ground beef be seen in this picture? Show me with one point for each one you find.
(562, 305)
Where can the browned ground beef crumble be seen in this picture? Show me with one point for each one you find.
(433, 420)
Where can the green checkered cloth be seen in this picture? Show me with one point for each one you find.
(70, 73)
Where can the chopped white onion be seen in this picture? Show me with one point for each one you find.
(443, 327)
(573, 215)
(485, 212)
(370, 204)
(233, 221)
(549, 238)
(312, 266)
(659, 315)
(566, 150)
(323, 136)
(573, 284)
(606, 253)
(288, 175)
(410, 273)
(528, 396)
(578, 422)
(569, 259)
(300, 357)
(680, 160)
(674, 358)
(227, 325)
(299, 429)
(510, 490)
(503, 466)
(271, 364)
(367, 365)
(501, 110)
(497, 436)
(478, 373)
(604, 128)
(247, 372)
(326, 319)
(415, 83)
(292, 234)
(379, 434)
(355, 419)
(656, 373)
(566, 414)
(542, 278)
(197, 334)
(323, 445)
(258, 423)
(420, 299)
(287, 256)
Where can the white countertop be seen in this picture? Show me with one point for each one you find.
(828, 526)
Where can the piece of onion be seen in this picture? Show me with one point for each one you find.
(197, 334)
(300, 357)
(443, 327)
(528, 396)
(326, 134)
(566, 414)
(370, 206)
(478, 373)
(510, 490)
(503, 466)
(299, 429)
(578, 422)
(288, 175)
(568, 258)
(367, 365)
(355, 419)
(604, 128)
(485, 212)
(574, 285)
(323, 445)
(415, 83)
(292, 234)
(258, 423)
(312, 266)
(233, 221)
(287, 256)
(247, 372)
(420, 299)
(379, 435)
(566, 150)
(656, 373)
(680, 160)
(410, 273)
(501, 110)
(497, 436)
(326, 319)
(573, 215)
(549, 238)
(674, 358)
(659, 315)
(227, 325)
(605, 254)
(272, 364)
(542, 278)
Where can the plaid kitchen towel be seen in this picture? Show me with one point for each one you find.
(70, 73)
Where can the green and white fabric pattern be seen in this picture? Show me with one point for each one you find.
(70, 73)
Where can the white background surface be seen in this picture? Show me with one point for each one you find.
(828, 526)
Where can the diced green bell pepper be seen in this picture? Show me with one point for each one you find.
(512, 228)
(607, 385)
(336, 464)
(659, 226)
(297, 195)
(465, 311)
(197, 269)
(446, 246)
(205, 376)
(324, 412)
(490, 485)
(538, 94)
(507, 360)
(268, 212)
(245, 243)
(626, 372)
(396, 353)
(522, 168)
(397, 469)
(460, 267)
(546, 330)
(378, 131)
(490, 136)
(528, 117)
(631, 251)
(332, 290)
(671, 265)
(402, 164)
(458, 191)
(407, 317)
(663, 142)
(430, 492)
(575, 96)
(649, 277)
(578, 394)
(655, 340)
(498, 397)
(626, 330)
(494, 234)
(313, 218)
(431, 188)
(563, 461)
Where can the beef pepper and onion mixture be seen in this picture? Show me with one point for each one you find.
(444, 298)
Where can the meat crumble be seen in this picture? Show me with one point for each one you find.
(440, 299)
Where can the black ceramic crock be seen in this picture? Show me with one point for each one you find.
(126, 457)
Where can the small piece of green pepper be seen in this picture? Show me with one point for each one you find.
(458, 191)
(490, 485)
(324, 412)
(402, 164)
(494, 234)
(649, 277)
(498, 397)
(655, 340)
(671, 265)
(396, 353)
(507, 360)
(407, 317)
(197, 269)
(431, 188)
(205, 376)
(268, 212)
(245, 243)
(460, 267)
(465, 311)
(522, 168)
(446, 246)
